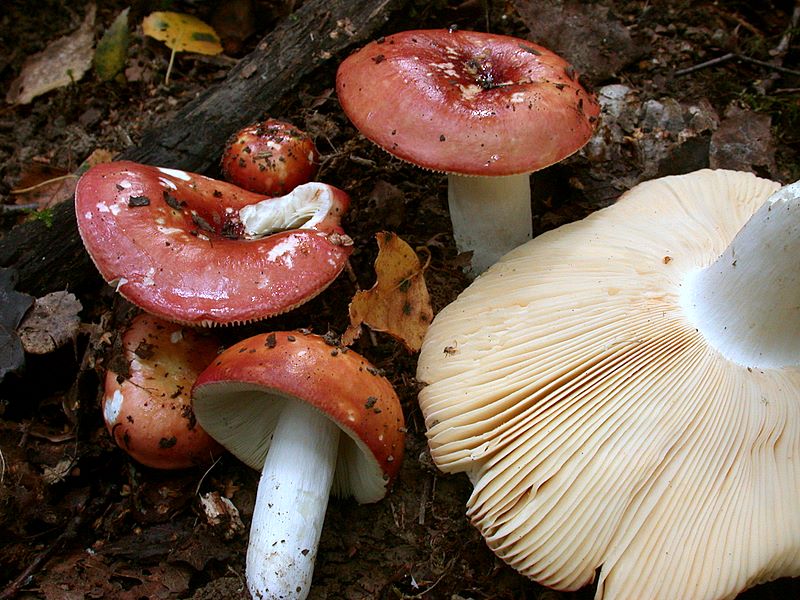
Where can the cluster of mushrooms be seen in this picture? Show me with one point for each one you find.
(623, 392)
(194, 251)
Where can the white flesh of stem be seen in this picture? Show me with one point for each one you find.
(747, 303)
(490, 215)
(291, 503)
(306, 205)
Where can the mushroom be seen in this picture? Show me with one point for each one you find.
(146, 401)
(188, 248)
(280, 401)
(624, 393)
(271, 157)
(486, 109)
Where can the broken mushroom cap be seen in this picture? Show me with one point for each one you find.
(470, 104)
(180, 245)
(271, 157)
(624, 393)
(146, 401)
(279, 402)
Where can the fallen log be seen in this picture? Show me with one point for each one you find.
(50, 256)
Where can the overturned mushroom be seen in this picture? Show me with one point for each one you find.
(624, 393)
(486, 109)
(280, 401)
(191, 249)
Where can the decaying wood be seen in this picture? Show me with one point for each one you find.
(51, 257)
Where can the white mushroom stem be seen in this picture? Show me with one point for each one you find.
(306, 205)
(291, 503)
(747, 303)
(490, 215)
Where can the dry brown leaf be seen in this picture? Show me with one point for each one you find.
(45, 186)
(398, 303)
(64, 61)
(52, 323)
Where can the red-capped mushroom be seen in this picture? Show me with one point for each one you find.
(180, 245)
(271, 157)
(146, 403)
(487, 109)
(280, 401)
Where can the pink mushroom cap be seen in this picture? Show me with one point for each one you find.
(147, 404)
(271, 157)
(466, 102)
(171, 242)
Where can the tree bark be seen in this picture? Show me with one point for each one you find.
(49, 257)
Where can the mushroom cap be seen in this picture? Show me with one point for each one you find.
(271, 157)
(599, 428)
(466, 102)
(169, 240)
(238, 399)
(146, 403)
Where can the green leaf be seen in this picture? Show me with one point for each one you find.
(112, 49)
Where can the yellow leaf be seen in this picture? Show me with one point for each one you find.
(398, 303)
(182, 33)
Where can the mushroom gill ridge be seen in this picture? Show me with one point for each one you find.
(598, 427)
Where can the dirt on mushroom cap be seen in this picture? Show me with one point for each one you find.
(467, 102)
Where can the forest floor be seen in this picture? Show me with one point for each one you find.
(80, 519)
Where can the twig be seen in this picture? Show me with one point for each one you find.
(731, 55)
(43, 183)
(783, 46)
(12, 208)
(202, 478)
(769, 65)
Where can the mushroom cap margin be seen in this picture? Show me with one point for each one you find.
(161, 236)
(466, 102)
(238, 397)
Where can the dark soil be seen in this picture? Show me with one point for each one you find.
(79, 519)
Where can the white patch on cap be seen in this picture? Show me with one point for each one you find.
(102, 207)
(518, 97)
(447, 68)
(468, 92)
(112, 407)
(283, 250)
(177, 174)
(176, 336)
(87, 216)
(168, 183)
(148, 279)
(169, 230)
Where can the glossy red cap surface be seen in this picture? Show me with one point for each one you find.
(466, 102)
(337, 381)
(272, 158)
(148, 409)
(171, 243)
